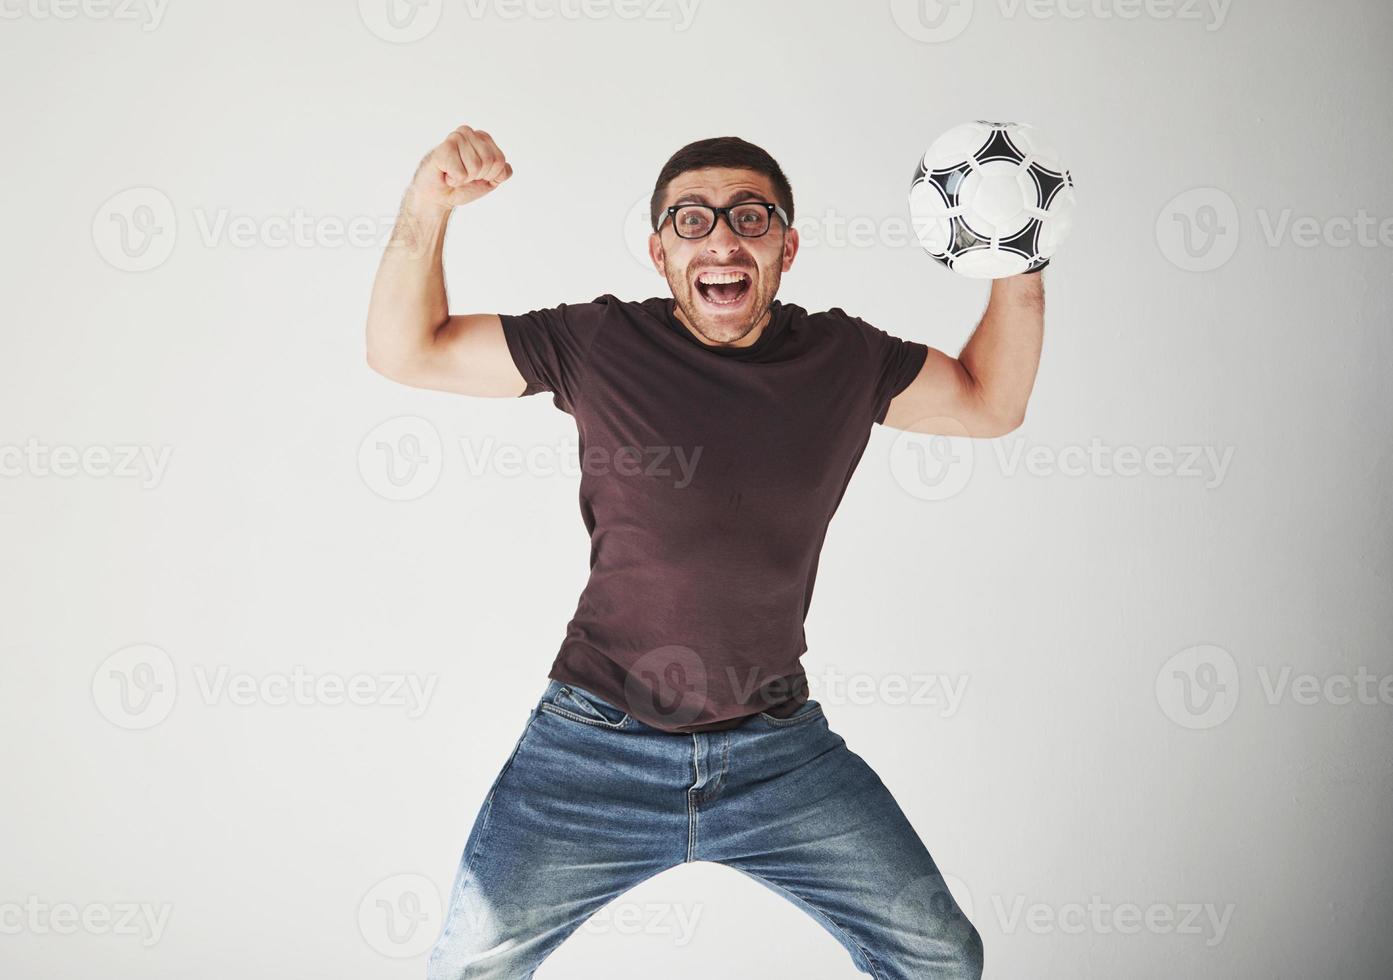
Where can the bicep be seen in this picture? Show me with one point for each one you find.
(942, 400)
(468, 356)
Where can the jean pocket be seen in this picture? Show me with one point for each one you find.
(580, 705)
(806, 711)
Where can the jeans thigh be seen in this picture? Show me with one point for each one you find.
(570, 822)
(813, 821)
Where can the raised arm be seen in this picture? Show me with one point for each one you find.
(982, 392)
(411, 336)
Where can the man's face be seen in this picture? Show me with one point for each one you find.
(722, 314)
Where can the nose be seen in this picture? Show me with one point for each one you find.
(723, 240)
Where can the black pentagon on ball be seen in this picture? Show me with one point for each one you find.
(1047, 183)
(1024, 243)
(999, 147)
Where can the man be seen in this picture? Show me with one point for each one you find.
(719, 429)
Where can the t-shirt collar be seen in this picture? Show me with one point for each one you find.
(762, 343)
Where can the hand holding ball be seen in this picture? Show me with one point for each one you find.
(991, 200)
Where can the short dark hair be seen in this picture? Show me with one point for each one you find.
(721, 151)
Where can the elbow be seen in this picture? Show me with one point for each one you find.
(994, 413)
(390, 366)
(1000, 424)
(377, 363)
(386, 355)
(373, 348)
(1012, 422)
(993, 418)
(397, 353)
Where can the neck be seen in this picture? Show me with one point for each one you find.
(746, 341)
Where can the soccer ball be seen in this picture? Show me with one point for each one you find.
(990, 200)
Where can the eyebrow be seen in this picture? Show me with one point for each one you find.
(735, 199)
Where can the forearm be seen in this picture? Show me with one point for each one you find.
(409, 302)
(1003, 353)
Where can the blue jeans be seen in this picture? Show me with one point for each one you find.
(591, 802)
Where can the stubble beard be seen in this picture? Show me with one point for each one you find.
(711, 331)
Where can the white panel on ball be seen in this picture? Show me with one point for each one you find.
(990, 200)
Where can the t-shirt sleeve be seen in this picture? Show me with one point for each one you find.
(551, 347)
(894, 363)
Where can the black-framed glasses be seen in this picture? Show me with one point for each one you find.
(749, 219)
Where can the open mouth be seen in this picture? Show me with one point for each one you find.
(723, 289)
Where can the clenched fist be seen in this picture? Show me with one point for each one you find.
(465, 167)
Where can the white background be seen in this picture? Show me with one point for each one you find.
(1077, 769)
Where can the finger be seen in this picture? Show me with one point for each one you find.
(445, 161)
(457, 171)
(468, 157)
(491, 157)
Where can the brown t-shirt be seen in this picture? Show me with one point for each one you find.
(708, 478)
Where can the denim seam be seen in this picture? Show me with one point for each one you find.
(786, 722)
(581, 702)
(558, 710)
(691, 802)
(836, 927)
(493, 791)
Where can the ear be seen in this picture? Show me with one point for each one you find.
(657, 254)
(790, 247)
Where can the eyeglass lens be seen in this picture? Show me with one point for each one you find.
(697, 220)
